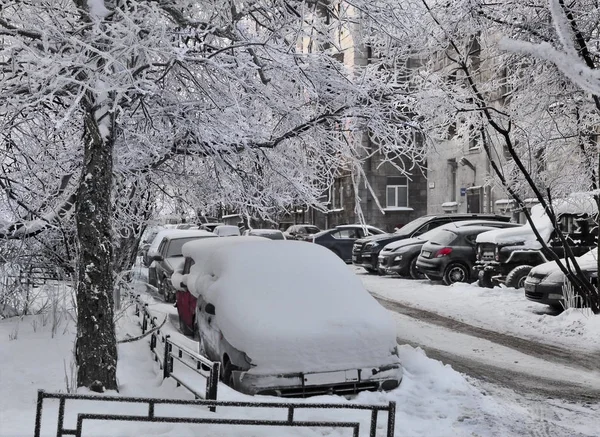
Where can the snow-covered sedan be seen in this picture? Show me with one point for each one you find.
(282, 330)
(544, 283)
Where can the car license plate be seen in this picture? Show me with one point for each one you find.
(426, 253)
(331, 377)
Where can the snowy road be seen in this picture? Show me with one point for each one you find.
(531, 367)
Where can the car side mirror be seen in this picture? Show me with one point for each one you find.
(156, 258)
(210, 309)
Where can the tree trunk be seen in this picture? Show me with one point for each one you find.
(96, 346)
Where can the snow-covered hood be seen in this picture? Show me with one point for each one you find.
(314, 319)
(587, 262)
(402, 243)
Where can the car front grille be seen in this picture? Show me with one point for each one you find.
(337, 389)
(530, 294)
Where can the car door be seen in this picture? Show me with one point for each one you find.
(209, 331)
(344, 240)
(186, 302)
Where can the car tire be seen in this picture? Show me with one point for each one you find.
(227, 376)
(184, 329)
(455, 272)
(516, 277)
(484, 279)
(412, 269)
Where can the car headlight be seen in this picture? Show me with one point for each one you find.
(533, 280)
(398, 258)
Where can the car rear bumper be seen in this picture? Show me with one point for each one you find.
(434, 267)
(304, 385)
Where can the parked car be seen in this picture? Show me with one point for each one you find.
(450, 254)
(544, 283)
(146, 242)
(227, 231)
(365, 252)
(168, 256)
(301, 232)
(508, 255)
(341, 239)
(401, 256)
(210, 227)
(271, 234)
(282, 330)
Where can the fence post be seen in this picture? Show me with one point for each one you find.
(38, 413)
(391, 419)
(145, 319)
(212, 384)
(166, 360)
(137, 305)
(373, 423)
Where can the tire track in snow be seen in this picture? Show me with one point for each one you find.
(543, 351)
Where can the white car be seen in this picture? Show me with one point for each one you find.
(282, 330)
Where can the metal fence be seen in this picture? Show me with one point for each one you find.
(151, 417)
(166, 352)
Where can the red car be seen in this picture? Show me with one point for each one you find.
(186, 301)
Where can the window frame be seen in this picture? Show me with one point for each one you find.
(396, 196)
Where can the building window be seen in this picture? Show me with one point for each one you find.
(397, 192)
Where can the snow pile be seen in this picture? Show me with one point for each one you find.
(522, 234)
(264, 293)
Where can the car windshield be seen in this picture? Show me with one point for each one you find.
(311, 229)
(412, 226)
(443, 238)
(176, 245)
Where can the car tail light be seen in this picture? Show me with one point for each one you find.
(443, 252)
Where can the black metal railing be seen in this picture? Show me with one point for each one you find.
(166, 352)
(151, 403)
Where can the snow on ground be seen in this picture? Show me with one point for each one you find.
(504, 310)
(433, 399)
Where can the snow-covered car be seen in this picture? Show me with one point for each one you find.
(227, 231)
(508, 255)
(544, 283)
(168, 256)
(281, 330)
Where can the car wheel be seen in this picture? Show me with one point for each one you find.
(412, 269)
(516, 277)
(455, 273)
(184, 329)
(484, 279)
(227, 376)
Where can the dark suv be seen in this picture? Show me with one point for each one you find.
(366, 250)
(507, 257)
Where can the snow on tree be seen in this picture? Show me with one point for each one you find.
(107, 104)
